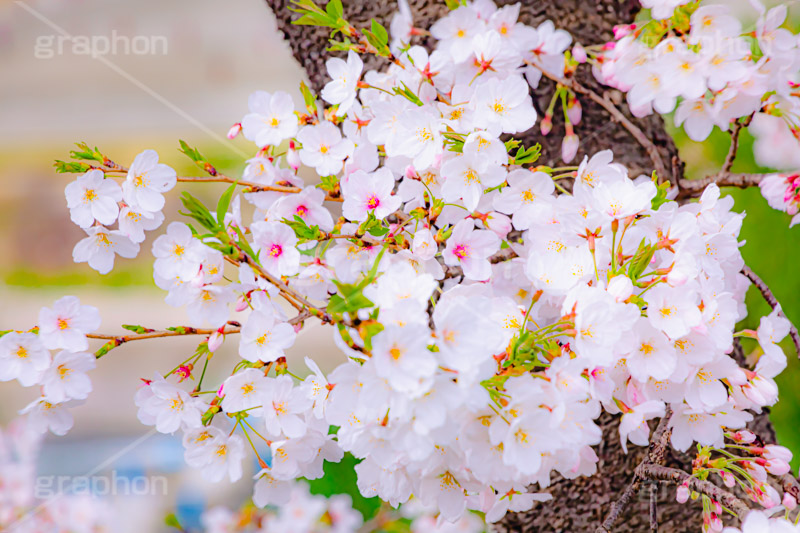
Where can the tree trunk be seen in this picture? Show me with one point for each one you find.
(582, 504)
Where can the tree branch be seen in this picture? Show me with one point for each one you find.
(617, 115)
(155, 334)
(766, 292)
(658, 447)
(736, 129)
(653, 507)
(691, 188)
(679, 477)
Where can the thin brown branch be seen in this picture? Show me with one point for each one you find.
(679, 477)
(653, 507)
(691, 188)
(222, 178)
(736, 129)
(156, 334)
(769, 297)
(655, 455)
(617, 115)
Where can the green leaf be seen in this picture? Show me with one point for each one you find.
(71, 167)
(198, 212)
(104, 349)
(302, 230)
(224, 203)
(197, 157)
(661, 193)
(329, 184)
(243, 244)
(408, 94)
(136, 329)
(87, 153)
(308, 98)
(526, 156)
(380, 32)
(378, 231)
(349, 300)
(640, 260)
(334, 9)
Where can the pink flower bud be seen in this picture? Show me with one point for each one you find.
(297, 327)
(715, 524)
(744, 436)
(727, 479)
(292, 157)
(579, 53)
(773, 451)
(546, 125)
(789, 501)
(241, 304)
(235, 130)
(215, 340)
(497, 222)
(569, 147)
(682, 495)
(622, 30)
(777, 467)
(574, 110)
(770, 497)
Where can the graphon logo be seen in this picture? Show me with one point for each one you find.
(106, 485)
(49, 46)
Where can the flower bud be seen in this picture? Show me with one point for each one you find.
(622, 30)
(292, 157)
(789, 501)
(215, 340)
(743, 436)
(499, 223)
(715, 524)
(773, 451)
(574, 110)
(727, 479)
(682, 495)
(569, 147)
(620, 287)
(579, 53)
(235, 130)
(547, 124)
(241, 304)
(770, 497)
(777, 467)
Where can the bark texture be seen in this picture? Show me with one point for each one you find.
(589, 22)
(578, 505)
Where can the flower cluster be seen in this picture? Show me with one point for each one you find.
(28, 357)
(96, 201)
(489, 310)
(700, 56)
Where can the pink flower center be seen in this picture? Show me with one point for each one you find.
(461, 251)
(373, 202)
(301, 210)
(275, 250)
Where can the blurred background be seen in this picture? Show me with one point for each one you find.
(194, 88)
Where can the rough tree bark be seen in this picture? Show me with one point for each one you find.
(578, 505)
